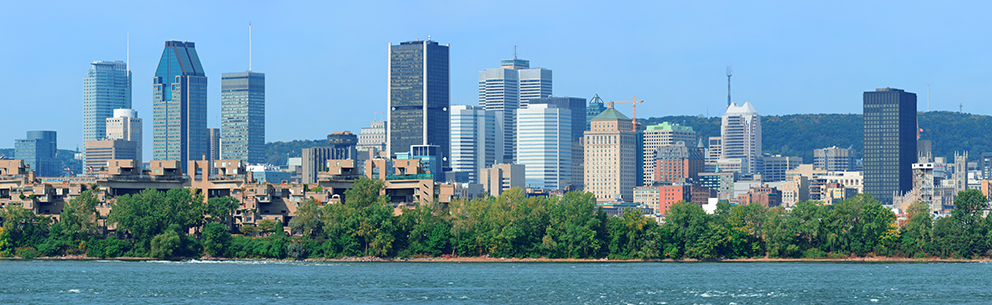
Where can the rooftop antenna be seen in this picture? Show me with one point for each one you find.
(514, 52)
(249, 46)
(730, 72)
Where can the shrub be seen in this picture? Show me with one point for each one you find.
(27, 253)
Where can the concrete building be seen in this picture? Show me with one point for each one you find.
(430, 161)
(661, 135)
(889, 142)
(473, 137)
(107, 86)
(578, 109)
(373, 137)
(661, 197)
(775, 167)
(740, 132)
(502, 177)
(266, 173)
(504, 90)
(242, 110)
(179, 105)
(315, 158)
(38, 151)
(766, 196)
(834, 159)
(677, 164)
(713, 152)
(722, 183)
(418, 97)
(125, 125)
(610, 155)
(544, 145)
(99, 152)
(794, 191)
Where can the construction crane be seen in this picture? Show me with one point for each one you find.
(633, 103)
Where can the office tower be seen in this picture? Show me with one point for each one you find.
(473, 134)
(501, 177)
(506, 89)
(986, 164)
(577, 107)
(834, 159)
(373, 136)
(242, 122)
(889, 142)
(314, 160)
(713, 152)
(125, 125)
(774, 167)
(107, 86)
(661, 135)
(741, 137)
(677, 163)
(179, 105)
(595, 107)
(99, 152)
(610, 152)
(38, 152)
(418, 96)
(215, 143)
(544, 145)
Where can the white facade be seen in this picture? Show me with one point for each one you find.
(125, 125)
(504, 90)
(544, 145)
(372, 137)
(741, 137)
(473, 131)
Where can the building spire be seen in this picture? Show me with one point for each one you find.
(249, 46)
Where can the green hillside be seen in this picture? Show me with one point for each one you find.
(799, 134)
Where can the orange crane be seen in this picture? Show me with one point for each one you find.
(633, 103)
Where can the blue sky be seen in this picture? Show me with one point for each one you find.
(325, 62)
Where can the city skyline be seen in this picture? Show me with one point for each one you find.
(777, 54)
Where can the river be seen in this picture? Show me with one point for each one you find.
(56, 281)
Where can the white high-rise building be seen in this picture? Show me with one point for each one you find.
(741, 136)
(504, 90)
(373, 136)
(473, 131)
(125, 125)
(544, 145)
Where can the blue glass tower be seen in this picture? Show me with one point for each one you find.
(418, 97)
(242, 98)
(179, 105)
(38, 152)
(107, 86)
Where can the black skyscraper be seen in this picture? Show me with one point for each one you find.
(890, 142)
(418, 96)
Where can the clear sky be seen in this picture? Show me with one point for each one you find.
(326, 61)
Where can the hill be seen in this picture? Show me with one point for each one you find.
(799, 134)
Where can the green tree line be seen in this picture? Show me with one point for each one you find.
(178, 224)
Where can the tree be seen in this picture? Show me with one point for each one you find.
(220, 209)
(307, 220)
(266, 226)
(216, 239)
(78, 218)
(572, 226)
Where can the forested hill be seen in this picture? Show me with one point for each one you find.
(799, 134)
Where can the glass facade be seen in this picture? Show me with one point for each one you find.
(595, 107)
(544, 145)
(179, 105)
(473, 133)
(38, 152)
(418, 96)
(243, 116)
(107, 86)
(889, 142)
(506, 89)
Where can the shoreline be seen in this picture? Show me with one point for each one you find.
(487, 259)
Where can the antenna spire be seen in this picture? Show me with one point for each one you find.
(249, 46)
(514, 52)
(730, 72)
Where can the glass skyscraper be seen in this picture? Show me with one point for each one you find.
(38, 152)
(418, 97)
(473, 130)
(504, 90)
(242, 97)
(544, 145)
(107, 86)
(889, 142)
(179, 105)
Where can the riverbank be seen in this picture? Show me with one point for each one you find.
(487, 259)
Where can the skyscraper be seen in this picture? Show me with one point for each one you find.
(107, 86)
(38, 152)
(125, 125)
(544, 145)
(215, 143)
(741, 135)
(833, 159)
(179, 105)
(506, 89)
(889, 142)
(658, 136)
(576, 106)
(610, 155)
(242, 97)
(473, 133)
(418, 96)
(596, 106)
